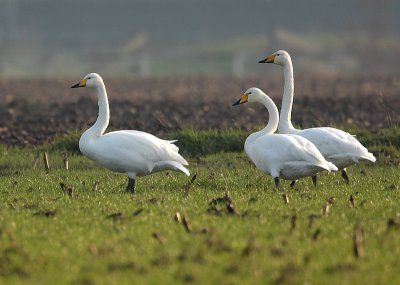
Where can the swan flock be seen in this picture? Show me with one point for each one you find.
(337, 146)
(290, 154)
(287, 156)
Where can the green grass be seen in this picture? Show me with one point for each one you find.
(93, 237)
(197, 143)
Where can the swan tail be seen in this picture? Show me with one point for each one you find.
(331, 166)
(371, 157)
(172, 145)
(171, 165)
(179, 158)
(184, 162)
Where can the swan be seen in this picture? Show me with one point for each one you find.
(337, 146)
(283, 156)
(133, 152)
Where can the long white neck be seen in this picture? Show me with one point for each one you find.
(273, 121)
(104, 113)
(285, 119)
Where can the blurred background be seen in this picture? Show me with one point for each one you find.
(147, 38)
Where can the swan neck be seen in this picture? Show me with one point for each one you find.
(285, 120)
(103, 118)
(273, 121)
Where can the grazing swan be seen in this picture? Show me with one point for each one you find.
(134, 152)
(282, 156)
(337, 146)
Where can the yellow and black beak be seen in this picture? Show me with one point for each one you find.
(269, 59)
(242, 100)
(81, 83)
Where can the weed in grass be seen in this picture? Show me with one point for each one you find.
(45, 213)
(137, 212)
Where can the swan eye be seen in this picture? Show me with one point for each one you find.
(89, 78)
(278, 54)
(249, 93)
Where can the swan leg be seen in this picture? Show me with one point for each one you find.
(131, 186)
(344, 175)
(314, 180)
(293, 183)
(276, 179)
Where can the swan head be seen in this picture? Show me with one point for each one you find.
(251, 95)
(90, 80)
(279, 57)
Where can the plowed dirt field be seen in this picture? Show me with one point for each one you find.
(33, 112)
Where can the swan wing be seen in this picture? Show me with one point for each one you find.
(134, 151)
(272, 152)
(312, 153)
(333, 142)
(149, 146)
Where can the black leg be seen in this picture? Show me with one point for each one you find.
(314, 180)
(276, 179)
(345, 177)
(131, 186)
(293, 183)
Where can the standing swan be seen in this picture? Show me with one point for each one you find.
(134, 152)
(337, 146)
(282, 156)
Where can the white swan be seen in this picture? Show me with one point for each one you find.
(337, 146)
(282, 156)
(134, 152)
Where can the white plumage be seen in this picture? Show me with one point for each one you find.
(133, 152)
(337, 146)
(282, 156)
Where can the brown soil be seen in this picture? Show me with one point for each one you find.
(32, 112)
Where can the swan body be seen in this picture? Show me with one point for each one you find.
(301, 158)
(337, 146)
(283, 156)
(133, 152)
(149, 153)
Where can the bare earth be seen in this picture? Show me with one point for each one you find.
(32, 112)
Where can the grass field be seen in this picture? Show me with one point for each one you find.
(234, 227)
